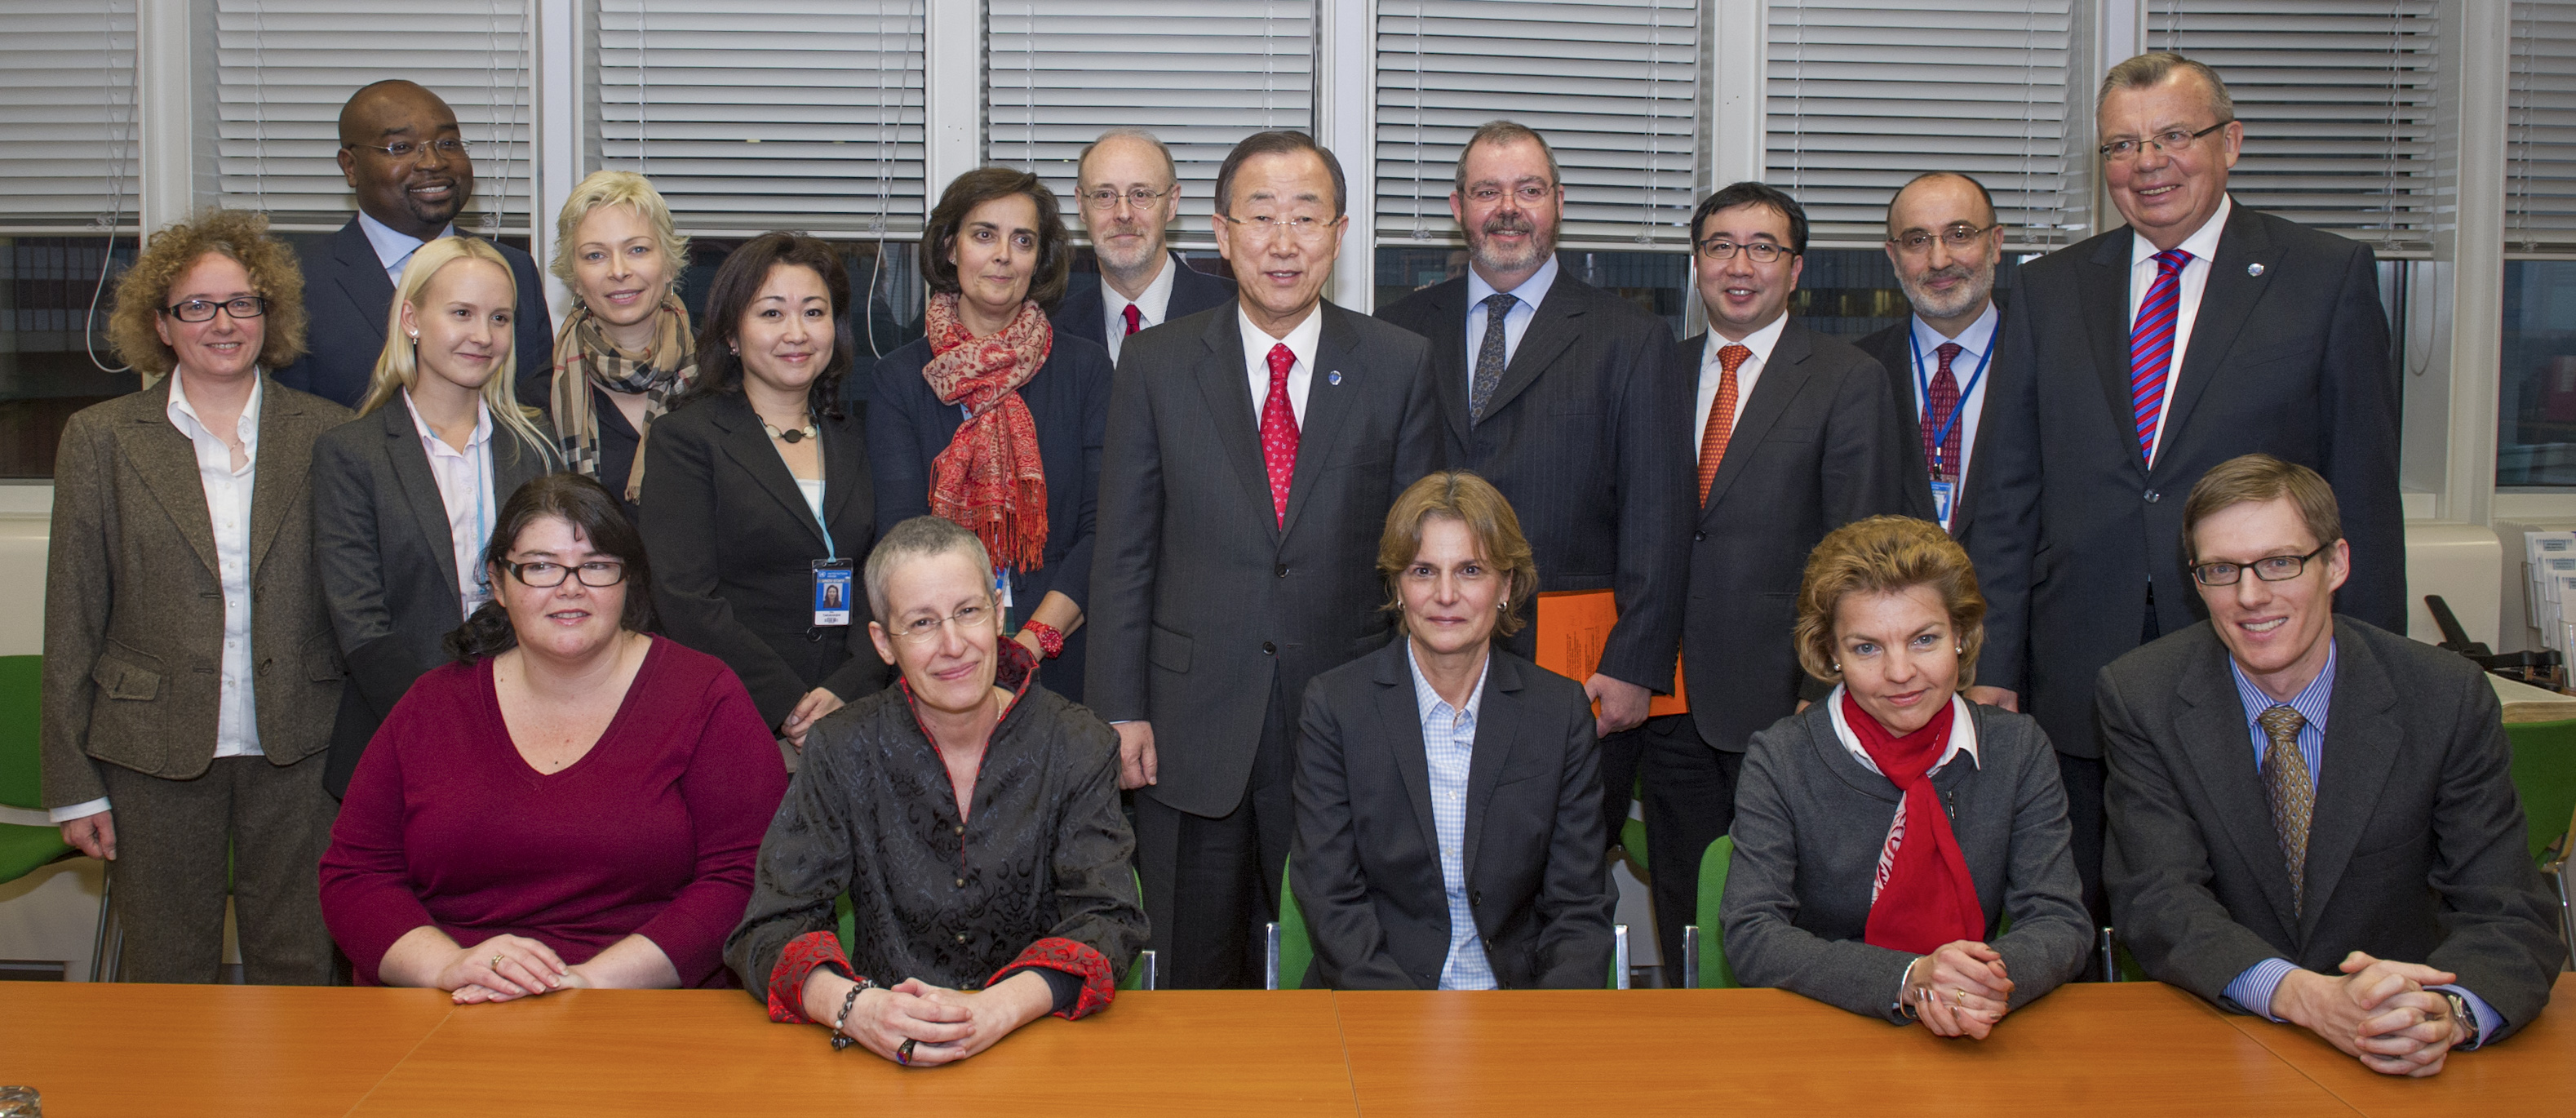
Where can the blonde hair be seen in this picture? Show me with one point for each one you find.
(1886, 555)
(238, 235)
(398, 366)
(1473, 501)
(616, 188)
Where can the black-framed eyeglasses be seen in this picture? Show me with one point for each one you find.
(1959, 235)
(968, 619)
(1105, 199)
(596, 574)
(406, 149)
(203, 310)
(1759, 252)
(2175, 140)
(2270, 568)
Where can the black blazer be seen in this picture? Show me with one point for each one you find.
(1587, 436)
(1201, 604)
(733, 546)
(2072, 525)
(1083, 313)
(2415, 852)
(1366, 864)
(1894, 351)
(381, 547)
(1815, 447)
(347, 298)
(1068, 398)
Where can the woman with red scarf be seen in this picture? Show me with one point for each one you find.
(992, 420)
(1900, 851)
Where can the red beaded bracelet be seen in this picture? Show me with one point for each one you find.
(1050, 642)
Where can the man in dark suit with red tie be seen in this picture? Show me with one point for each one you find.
(1129, 190)
(2134, 362)
(1944, 241)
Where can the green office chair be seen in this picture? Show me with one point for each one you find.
(2544, 773)
(26, 848)
(1140, 973)
(1704, 942)
(1289, 951)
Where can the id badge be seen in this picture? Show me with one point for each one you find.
(1002, 595)
(1941, 495)
(833, 587)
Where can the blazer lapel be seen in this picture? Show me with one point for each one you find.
(2226, 305)
(1230, 407)
(362, 279)
(1497, 732)
(2362, 739)
(167, 463)
(285, 466)
(1449, 369)
(1782, 376)
(1553, 326)
(748, 446)
(420, 486)
(1328, 406)
(2102, 290)
(845, 469)
(2220, 752)
(1402, 730)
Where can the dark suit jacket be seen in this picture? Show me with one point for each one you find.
(1586, 435)
(1201, 604)
(347, 298)
(381, 548)
(2072, 525)
(1815, 447)
(733, 548)
(134, 606)
(1068, 398)
(1083, 313)
(1366, 864)
(2416, 849)
(1894, 351)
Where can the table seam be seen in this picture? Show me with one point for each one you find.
(1343, 1038)
(414, 1050)
(2231, 1021)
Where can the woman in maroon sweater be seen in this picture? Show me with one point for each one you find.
(572, 803)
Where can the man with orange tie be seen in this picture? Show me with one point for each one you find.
(1129, 190)
(1797, 435)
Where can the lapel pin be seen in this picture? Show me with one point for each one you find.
(1335, 377)
(2253, 269)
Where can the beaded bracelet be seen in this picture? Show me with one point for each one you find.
(841, 1040)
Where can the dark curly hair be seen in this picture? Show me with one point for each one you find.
(591, 511)
(737, 283)
(986, 184)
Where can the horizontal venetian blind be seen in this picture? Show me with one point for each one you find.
(800, 114)
(2540, 130)
(283, 69)
(1199, 74)
(1862, 97)
(1611, 84)
(68, 132)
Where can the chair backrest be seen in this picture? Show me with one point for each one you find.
(1140, 972)
(1714, 974)
(2544, 773)
(1296, 952)
(21, 775)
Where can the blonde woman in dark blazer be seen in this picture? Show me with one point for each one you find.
(404, 496)
(190, 675)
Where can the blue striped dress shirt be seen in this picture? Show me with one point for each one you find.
(1449, 745)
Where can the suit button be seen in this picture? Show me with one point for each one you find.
(1269, 649)
(1476, 897)
(1281, 570)
(961, 937)
(1698, 536)
(961, 883)
(2153, 496)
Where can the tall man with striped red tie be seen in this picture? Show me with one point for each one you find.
(2134, 362)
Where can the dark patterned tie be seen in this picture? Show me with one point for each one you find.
(1279, 431)
(1489, 358)
(1940, 402)
(2151, 344)
(2292, 791)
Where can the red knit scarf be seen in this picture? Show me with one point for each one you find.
(1928, 898)
(990, 480)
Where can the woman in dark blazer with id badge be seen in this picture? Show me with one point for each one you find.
(757, 502)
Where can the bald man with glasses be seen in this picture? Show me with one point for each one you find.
(1129, 191)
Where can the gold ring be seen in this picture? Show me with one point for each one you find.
(1959, 997)
(496, 963)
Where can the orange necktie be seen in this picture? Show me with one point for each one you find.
(1721, 417)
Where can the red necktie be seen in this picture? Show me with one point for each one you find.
(1279, 431)
(2151, 343)
(1940, 402)
(1721, 417)
(1135, 321)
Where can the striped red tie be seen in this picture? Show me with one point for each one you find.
(2151, 344)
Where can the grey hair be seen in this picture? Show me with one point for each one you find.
(1503, 132)
(2149, 70)
(1171, 169)
(921, 537)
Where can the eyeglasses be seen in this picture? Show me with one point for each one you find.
(1305, 227)
(2175, 140)
(2270, 568)
(1960, 235)
(1105, 199)
(968, 619)
(1760, 252)
(405, 149)
(1529, 194)
(546, 576)
(203, 310)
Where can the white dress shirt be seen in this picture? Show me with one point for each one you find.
(465, 487)
(393, 249)
(1301, 341)
(1761, 342)
(1529, 294)
(1449, 750)
(1976, 348)
(1151, 305)
(2203, 247)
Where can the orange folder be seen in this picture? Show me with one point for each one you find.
(1572, 627)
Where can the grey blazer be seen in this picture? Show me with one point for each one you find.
(2416, 851)
(380, 545)
(134, 607)
(1809, 823)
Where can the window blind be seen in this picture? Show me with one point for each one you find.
(2540, 130)
(1199, 74)
(1861, 97)
(68, 130)
(803, 114)
(1611, 84)
(283, 69)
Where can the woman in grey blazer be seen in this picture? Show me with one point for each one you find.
(1900, 851)
(404, 495)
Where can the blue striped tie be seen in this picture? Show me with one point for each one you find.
(2151, 343)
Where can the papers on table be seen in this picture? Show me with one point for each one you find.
(2550, 563)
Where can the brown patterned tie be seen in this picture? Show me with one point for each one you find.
(1721, 417)
(2293, 793)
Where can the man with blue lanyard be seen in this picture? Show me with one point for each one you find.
(1943, 238)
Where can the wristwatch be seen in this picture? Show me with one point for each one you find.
(2468, 1021)
(1050, 639)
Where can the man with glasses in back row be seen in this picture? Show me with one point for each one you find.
(1944, 241)
(1129, 191)
(2131, 364)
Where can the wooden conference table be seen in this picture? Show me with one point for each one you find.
(2132, 1048)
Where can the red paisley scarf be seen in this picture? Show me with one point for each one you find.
(1927, 899)
(989, 480)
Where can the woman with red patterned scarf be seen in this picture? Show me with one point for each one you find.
(1900, 851)
(994, 421)
(971, 817)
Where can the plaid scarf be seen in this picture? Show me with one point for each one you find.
(989, 480)
(584, 359)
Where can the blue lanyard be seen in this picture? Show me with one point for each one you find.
(1923, 384)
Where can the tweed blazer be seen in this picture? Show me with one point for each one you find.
(134, 605)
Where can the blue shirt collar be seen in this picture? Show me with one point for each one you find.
(1531, 292)
(2311, 702)
(392, 247)
(1427, 700)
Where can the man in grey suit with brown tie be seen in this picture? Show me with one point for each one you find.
(1253, 451)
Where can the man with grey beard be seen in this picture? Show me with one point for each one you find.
(1129, 190)
(1573, 402)
(1943, 238)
